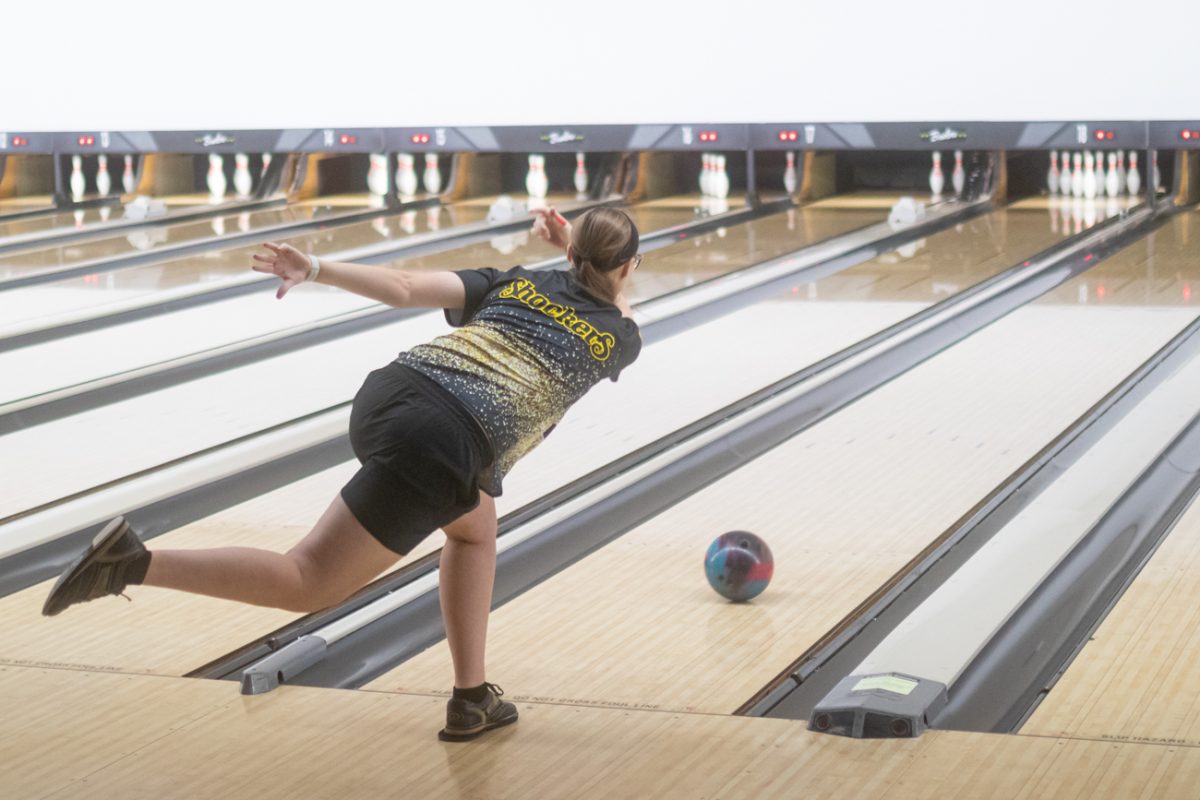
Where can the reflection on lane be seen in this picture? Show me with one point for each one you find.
(724, 250)
(77, 219)
(1161, 270)
(42, 304)
(24, 263)
(75, 359)
(204, 270)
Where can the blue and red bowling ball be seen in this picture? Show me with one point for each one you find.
(739, 565)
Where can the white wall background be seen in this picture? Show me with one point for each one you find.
(158, 65)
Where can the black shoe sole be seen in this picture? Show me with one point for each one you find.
(109, 535)
(446, 736)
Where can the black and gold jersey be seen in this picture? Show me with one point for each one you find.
(528, 344)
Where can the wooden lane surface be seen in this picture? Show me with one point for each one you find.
(843, 506)
(216, 267)
(1137, 678)
(214, 409)
(9, 205)
(72, 296)
(130, 242)
(86, 216)
(675, 381)
(75, 359)
(68, 734)
(38, 260)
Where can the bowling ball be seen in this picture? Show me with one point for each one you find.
(739, 565)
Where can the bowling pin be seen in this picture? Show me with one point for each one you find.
(531, 184)
(581, 176)
(433, 174)
(406, 174)
(1077, 175)
(103, 179)
(1121, 174)
(937, 181)
(536, 183)
(1112, 179)
(1133, 183)
(1064, 178)
(1052, 175)
(704, 172)
(128, 182)
(216, 177)
(789, 174)
(958, 178)
(242, 181)
(1155, 172)
(1089, 175)
(1100, 176)
(377, 174)
(78, 182)
(721, 181)
(266, 163)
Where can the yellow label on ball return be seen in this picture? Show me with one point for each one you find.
(889, 683)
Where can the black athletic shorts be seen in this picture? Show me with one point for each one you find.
(422, 453)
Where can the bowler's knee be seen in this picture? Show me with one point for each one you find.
(316, 589)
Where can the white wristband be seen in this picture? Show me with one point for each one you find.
(314, 268)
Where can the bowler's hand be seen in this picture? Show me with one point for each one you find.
(284, 261)
(551, 226)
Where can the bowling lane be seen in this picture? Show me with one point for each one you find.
(119, 349)
(42, 204)
(1135, 679)
(95, 218)
(843, 505)
(47, 305)
(676, 380)
(49, 260)
(344, 361)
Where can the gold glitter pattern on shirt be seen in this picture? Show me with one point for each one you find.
(515, 392)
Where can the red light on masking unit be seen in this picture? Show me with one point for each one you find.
(420, 138)
(347, 138)
(708, 136)
(1189, 135)
(788, 136)
(19, 141)
(87, 141)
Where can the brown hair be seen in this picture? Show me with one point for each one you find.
(601, 241)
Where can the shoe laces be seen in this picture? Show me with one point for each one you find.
(496, 690)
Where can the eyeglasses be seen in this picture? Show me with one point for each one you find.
(637, 260)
